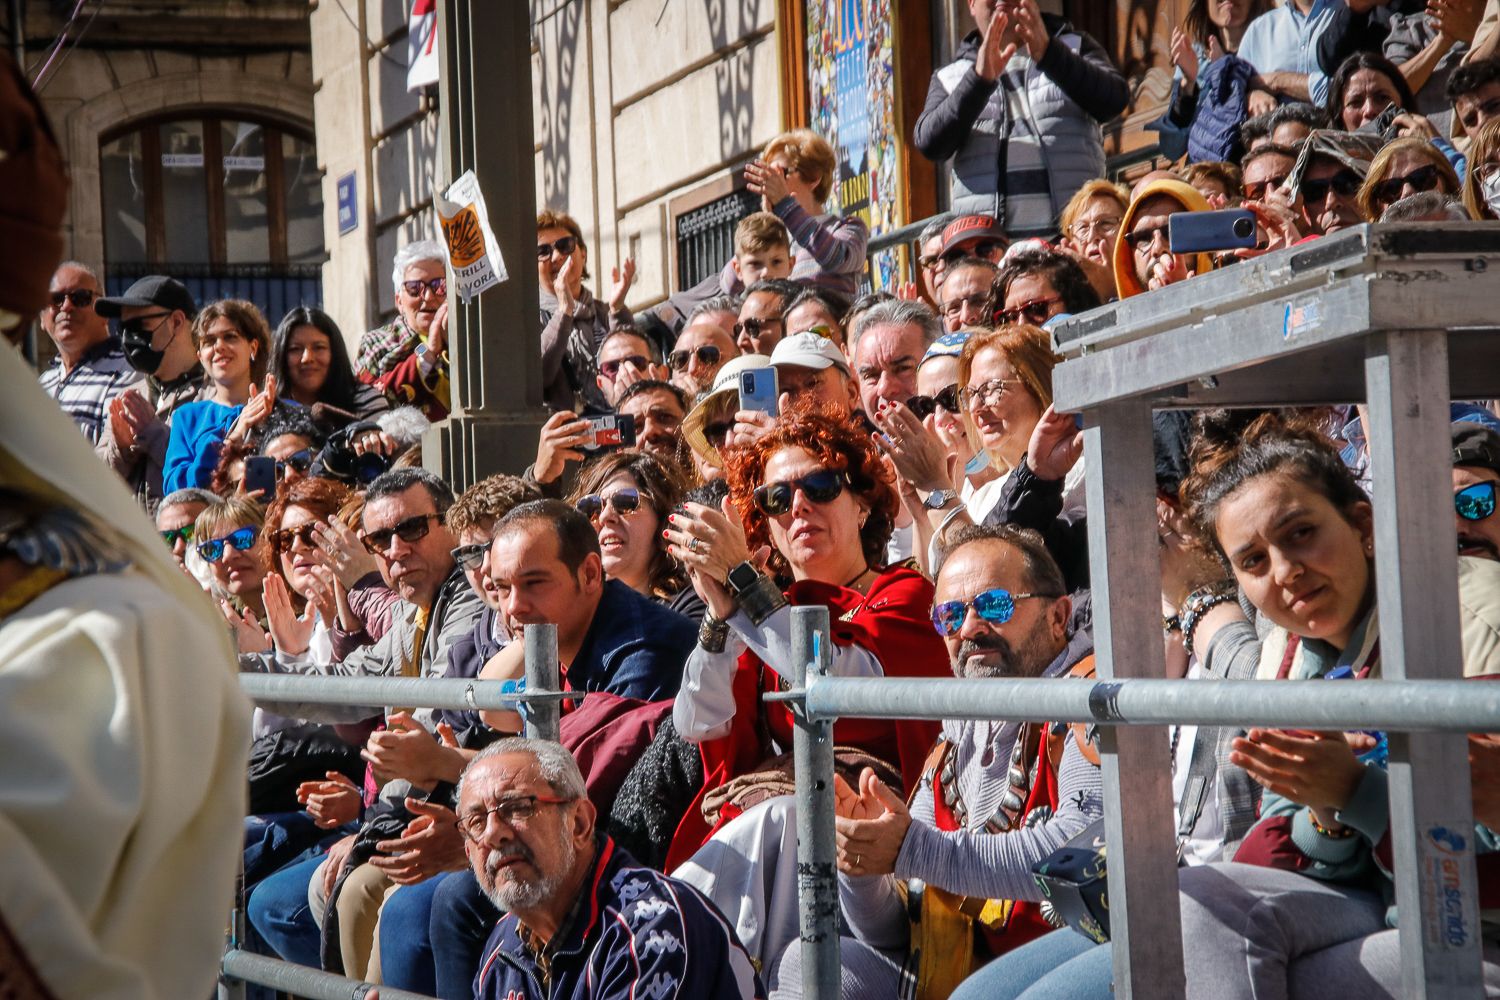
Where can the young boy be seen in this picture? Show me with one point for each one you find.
(762, 249)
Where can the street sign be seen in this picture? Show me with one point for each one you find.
(348, 215)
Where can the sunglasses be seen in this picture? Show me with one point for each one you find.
(823, 486)
(717, 433)
(564, 247)
(411, 530)
(81, 298)
(1345, 184)
(1475, 503)
(297, 461)
(995, 606)
(930, 262)
(755, 327)
(1036, 312)
(625, 500)
(923, 407)
(708, 354)
(282, 539)
(1256, 190)
(1136, 238)
(415, 287)
(985, 248)
(468, 557)
(136, 327)
(1421, 179)
(172, 535)
(610, 369)
(241, 540)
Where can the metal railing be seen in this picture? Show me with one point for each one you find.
(541, 708)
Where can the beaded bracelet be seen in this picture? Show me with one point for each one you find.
(1198, 604)
(1343, 834)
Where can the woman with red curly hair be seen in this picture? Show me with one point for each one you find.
(813, 503)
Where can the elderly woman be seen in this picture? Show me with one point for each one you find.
(628, 495)
(407, 359)
(311, 363)
(234, 347)
(1091, 220)
(1405, 167)
(794, 177)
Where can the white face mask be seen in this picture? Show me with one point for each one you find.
(1489, 188)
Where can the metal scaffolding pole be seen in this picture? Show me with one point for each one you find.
(812, 759)
(543, 718)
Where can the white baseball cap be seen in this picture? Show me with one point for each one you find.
(809, 350)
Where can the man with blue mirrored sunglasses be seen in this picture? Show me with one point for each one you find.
(1476, 471)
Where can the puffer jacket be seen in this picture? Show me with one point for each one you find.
(1023, 144)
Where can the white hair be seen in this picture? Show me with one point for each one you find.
(553, 760)
(1425, 204)
(405, 423)
(897, 312)
(416, 253)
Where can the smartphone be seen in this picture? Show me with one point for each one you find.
(260, 474)
(758, 390)
(1205, 232)
(611, 430)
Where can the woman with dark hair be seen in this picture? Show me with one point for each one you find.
(628, 495)
(1365, 85)
(811, 502)
(311, 363)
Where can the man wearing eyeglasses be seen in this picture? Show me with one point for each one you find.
(90, 368)
(407, 358)
(625, 358)
(582, 917)
(701, 350)
(156, 333)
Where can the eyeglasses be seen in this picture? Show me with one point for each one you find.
(1036, 312)
(512, 811)
(470, 556)
(1421, 179)
(282, 539)
(241, 540)
(755, 327)
(610, 369)
(930, 262)
(209, 339)
(995, 606)
(1475, 503)
(985, 393)
(708, 354)
(1139, 237)
(135, 326)
(718, 433)
(564, 247)
(1256, 190)
(298, 461)
(823, 486)
(1095, 229)
(411, 530)
(415, 287)
(626, 500)
(978, 302)
(923, 407)
(1345, 184)
(81, 298)
(172, 535)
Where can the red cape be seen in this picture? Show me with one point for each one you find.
(893, 621)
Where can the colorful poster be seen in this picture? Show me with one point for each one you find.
(851, 103)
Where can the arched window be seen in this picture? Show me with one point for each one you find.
(230, 204)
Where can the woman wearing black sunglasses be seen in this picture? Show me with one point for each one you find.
(627, 495)
(1405, 167)
(813, 504)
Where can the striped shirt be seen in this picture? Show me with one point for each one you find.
(85, 391)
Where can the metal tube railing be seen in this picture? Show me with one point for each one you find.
(303, 981)
(812, 754)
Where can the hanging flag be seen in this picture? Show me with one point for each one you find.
(421, 46)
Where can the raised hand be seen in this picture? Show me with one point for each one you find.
(870, 832)
(129, 415)
(995, 49)
(917, 453)
(1313, 769)
(261, 403)
(1031, 30)
(1183, 55)
(621, 278)
(429, 845)
(1055, 446)
(333, 802)
(292, 634)
(249, 637)
(345, 555)
(562, 285)
(437, 332)
(766, 180)
(561, 442)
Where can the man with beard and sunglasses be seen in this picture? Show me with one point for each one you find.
(995, 797)
(1476, 471)
(156, 333)
(582, 917)
(90, 370)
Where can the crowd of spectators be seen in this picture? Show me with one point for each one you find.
(906, 468)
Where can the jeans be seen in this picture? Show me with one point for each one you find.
(278, 910)
(462, 919)
(405, 947)
(1063, 965)
(275, 840)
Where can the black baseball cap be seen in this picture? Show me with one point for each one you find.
(1476, 445)
(154, 290)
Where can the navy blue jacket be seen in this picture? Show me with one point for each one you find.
(638, 934)
(634, 648)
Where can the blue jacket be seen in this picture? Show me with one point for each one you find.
(634, 648)
(635, 933)
(198, 431)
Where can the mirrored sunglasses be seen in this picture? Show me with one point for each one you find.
(241, 540)
(995, 606)
(171, 535)
(1475, 503)
(415, 287)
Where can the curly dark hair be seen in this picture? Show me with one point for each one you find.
(323, 498)
(838, 444)
(660, 484)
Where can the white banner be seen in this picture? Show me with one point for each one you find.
(473, 253)
(421, 45)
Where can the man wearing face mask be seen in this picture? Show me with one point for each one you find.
(156, 333)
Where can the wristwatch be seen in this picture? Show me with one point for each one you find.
(757, 594)
(742, 577)
(938, 499)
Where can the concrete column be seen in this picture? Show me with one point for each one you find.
(486, 124)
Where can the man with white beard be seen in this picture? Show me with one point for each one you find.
(584, 918)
